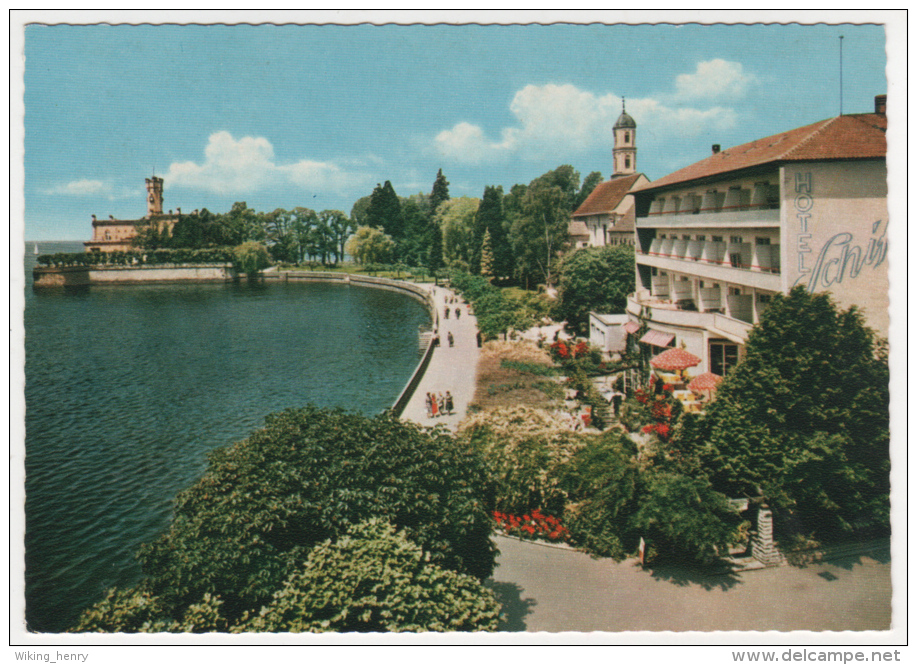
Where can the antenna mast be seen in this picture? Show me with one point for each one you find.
(842, 74)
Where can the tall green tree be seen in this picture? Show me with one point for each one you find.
(415, 246)
(384, 212)
(540, 231)
(491, 217)
(341, 228)
(593, 279)
(359, 211)
(440, 193)
(487, 257)
(435, 260)
(803, 420)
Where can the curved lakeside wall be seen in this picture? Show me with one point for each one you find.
(57, 276)
(417, 292)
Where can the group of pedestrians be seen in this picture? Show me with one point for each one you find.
(439, 405)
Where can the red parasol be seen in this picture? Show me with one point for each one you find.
(705, 381)
(674, 360)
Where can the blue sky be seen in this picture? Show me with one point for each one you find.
(316, 116)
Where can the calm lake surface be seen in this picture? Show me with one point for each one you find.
(129, 387)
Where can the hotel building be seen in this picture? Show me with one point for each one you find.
(717, 239)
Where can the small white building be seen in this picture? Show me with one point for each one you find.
(609, 331)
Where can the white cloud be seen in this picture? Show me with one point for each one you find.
(714, 79)
(88, 187)
(245, 165)
(80, 188)
(565, 118)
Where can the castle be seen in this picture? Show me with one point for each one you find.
(116, 235)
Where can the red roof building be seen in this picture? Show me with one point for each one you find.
(608, 211)
(717, 239)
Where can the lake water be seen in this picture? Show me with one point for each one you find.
(129, 387)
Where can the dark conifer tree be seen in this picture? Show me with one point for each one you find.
(440, 192)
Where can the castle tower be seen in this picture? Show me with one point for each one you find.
(625, 150)
(154, 196)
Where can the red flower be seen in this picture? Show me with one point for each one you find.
(647, 429)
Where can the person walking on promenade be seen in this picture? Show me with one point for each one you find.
(434, 405)
(429, 402)
(449, 405)
(447, 312)
(451, 339)
(442, 405)
(458, 312)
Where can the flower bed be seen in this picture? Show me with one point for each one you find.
(532, 526)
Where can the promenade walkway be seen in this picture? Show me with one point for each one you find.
(550, 589)
(451, 368)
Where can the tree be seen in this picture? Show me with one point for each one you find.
(435, 256)
(456, 219)
(593, 279)
(589, 184)
(540, 230)
(487, 257)
(359, 211)
(803, 420)
(384, 212)
(440, 193)
(252, 257)
(151, 235)
(375, 579)
(307, 477)
(369, 245)
(281, 237)
(341, 228)
(491, 217)
(416, 244)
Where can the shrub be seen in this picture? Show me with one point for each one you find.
(602, 482)
(524, 450)
(307, 476)
(371, 580)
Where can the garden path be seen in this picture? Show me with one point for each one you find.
(451, 368)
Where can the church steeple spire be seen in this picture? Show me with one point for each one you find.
(625, 147)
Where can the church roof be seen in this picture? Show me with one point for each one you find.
(607, 196)
(860, 136)
(625, 121)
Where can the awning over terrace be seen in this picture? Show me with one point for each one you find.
(656, 338)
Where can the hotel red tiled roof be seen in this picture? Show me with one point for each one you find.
(860, 136)
(606, 196)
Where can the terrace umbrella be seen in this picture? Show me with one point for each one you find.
(674, 360)
(706, 382)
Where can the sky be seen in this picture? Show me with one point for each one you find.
(281, 116)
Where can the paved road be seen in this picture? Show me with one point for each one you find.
(451, 368)
(548, 589)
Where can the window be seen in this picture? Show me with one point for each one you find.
(723, 357)
(763, 298)
(627, 162)
(735, 291)
(735, 259)
(700, 284)
(716, 238)
(737, 240)
(702, 237)
(626, 136)
(762, 241)
(686, 237)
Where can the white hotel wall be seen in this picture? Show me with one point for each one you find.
(834, 218)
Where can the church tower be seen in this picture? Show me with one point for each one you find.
(153, 196)
(625, 150)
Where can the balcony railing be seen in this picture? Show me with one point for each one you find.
(744, 256)
(665, 312)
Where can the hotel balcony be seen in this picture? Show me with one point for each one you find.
(735, 208)
(664, 311)
(756, 266)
